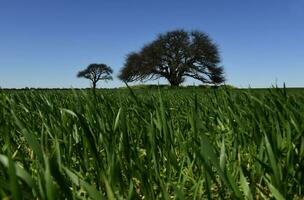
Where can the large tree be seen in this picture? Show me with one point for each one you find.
(95, 73)
(175, 55)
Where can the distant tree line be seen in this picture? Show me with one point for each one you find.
(174, 55)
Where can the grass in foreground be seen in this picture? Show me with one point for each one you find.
(172, 144)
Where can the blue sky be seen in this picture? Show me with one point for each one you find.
(45, 43)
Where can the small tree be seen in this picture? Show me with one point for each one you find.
(175, 55)
(96, 72)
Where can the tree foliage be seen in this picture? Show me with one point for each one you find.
(176, 55)
(96, 72)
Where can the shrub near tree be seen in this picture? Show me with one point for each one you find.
(176, 55)
(95, 73)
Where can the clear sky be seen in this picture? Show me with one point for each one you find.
(44, 43)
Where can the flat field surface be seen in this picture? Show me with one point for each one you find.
(152, 144)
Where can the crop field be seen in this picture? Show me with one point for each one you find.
(152, 144)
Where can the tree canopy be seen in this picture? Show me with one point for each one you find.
(175, 55)
(96, 72)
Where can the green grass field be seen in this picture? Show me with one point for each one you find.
(152, 144)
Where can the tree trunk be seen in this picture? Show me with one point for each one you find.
(94, 83)
(174, 81)
(174, 84)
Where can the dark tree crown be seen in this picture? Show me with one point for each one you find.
(174, 56)
(96, 72)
